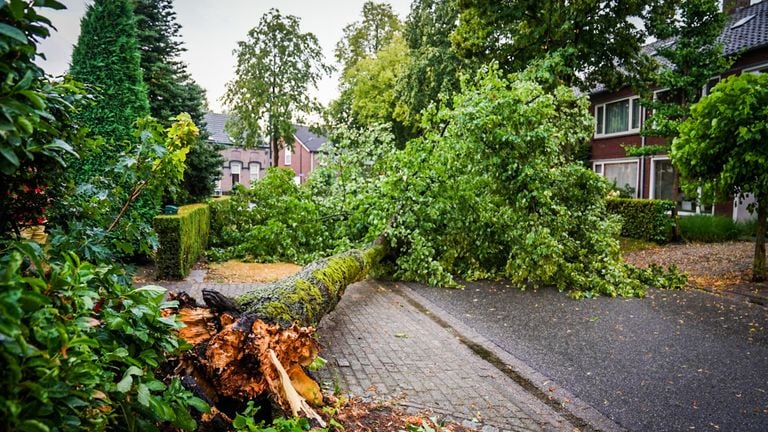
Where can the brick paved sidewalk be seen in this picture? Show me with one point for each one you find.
(378, 345)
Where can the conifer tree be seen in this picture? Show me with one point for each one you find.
(107, 58)
(171, 90)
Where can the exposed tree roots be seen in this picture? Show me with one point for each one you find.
(258, 345)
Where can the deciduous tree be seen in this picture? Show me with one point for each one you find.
(364, 38)
(587, 42)
(722, 145)
(276, 65)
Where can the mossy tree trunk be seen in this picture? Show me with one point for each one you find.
(258, 344)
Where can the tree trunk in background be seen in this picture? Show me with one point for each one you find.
(758, 267)
(258, 344)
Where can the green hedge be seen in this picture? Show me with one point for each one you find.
(644, 219)
(183, 238)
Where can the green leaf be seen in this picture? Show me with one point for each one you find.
(124, 386)
(143, 395)
(33, 426)
(10, 156)
(13, 32)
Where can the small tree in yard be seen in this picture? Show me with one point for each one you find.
(723, 144)
(276, 64)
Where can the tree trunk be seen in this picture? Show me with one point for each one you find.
(758, 267)
(258, 344)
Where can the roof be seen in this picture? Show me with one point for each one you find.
(215, 124)
(310, 140)
(746, 29)
(751, 34)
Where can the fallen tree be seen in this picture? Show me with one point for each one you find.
(257, 345)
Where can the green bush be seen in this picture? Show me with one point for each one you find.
(710, 229)
(183, 239)
(80, 346)
(644, 219)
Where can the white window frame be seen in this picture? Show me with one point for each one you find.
(603, 162)
(254, 171)
(630, 117)
(288, 156)
(217, 187)
(704, 91)
(235, 168)
(755, 68)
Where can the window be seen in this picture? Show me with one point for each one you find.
(254, 168)
(709, 86)
(297, 180)
(234, 169)
(662, 184)
(217, 187)
(622, 174)
(763, 68)
(288, 156)
(622, 116)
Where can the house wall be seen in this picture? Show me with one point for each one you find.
(302, 161)
(609, 148)
(246, 157)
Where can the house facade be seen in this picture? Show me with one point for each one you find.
(246, 166)
(619, 118)
(241, 166)
(301, 158)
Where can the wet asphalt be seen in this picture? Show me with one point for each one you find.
(673, 361)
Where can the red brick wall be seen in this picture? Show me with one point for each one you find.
(301, 161)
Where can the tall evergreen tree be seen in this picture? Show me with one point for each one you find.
(171, 90)
(107, 57)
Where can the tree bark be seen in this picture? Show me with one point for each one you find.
(758, 266)
(259, 343)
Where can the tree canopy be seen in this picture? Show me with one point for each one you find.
(276, 65)
(364, 38)
(722, 145)
(590, 41)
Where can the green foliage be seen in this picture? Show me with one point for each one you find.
(690, 61)
(100, 220)
(659, 277)
(183, 238)
(644, 219)
(276, 65)
(431, 74)
(276, 220)
(363, 39)
(245, 423)
(581, 46)
(489, 192)
(107, 58)
(36, 133)
(710, 229)
(79, 347)
(723, 148)
(171, 90)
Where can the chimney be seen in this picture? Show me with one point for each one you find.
(731, 6)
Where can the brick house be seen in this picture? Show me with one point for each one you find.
(302, 157)
(241, 166)
(245, 166)
(619, 117)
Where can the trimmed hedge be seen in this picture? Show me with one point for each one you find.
(644, 219)
(183, 238)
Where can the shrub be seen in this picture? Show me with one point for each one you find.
(709, 229)
(644, 219)
(183, 239)
(80, 346)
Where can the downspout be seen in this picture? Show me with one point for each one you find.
(642, 169)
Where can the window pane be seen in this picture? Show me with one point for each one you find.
(663, 179)
(623, 176)
(617, 117)
(599, 168)
(635, 113)
(234, 167)
(599, 127)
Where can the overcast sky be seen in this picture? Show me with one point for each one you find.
(211, 30)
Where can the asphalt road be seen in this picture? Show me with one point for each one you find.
(674, 361)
